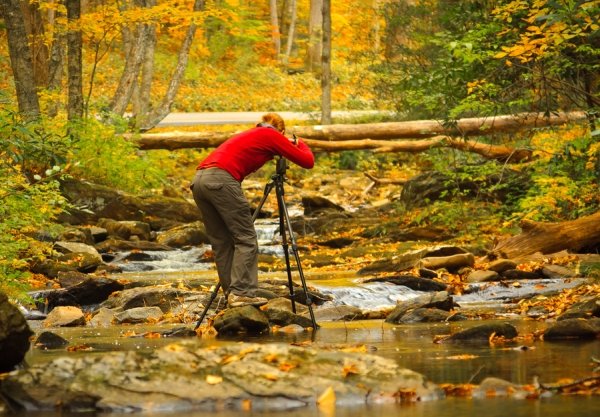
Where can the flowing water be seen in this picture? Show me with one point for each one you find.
(412, 346)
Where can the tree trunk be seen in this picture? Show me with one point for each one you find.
(326, 65)
(315, 26)
(161, 111)
(275, 33)
(179, 140)
(141, 102)
(430, 128)
(74, 63)
(39, 49)
(551, 237)
(291, 34)
(20, 59)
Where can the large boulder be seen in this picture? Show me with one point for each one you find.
(14, 335)
(182, 377)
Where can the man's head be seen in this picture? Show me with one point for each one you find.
(274, 120)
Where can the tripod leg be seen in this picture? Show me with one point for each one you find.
(284, 219)
(213, 295)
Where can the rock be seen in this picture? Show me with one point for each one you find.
(163, 296)
(483, 276)
(119, 245)
(571, 329)
(181, 378)
(451, 263)
(501, 265)
(484, 331)
(338, 242)
(92, 290)
(14, 335)
(77, 248)
(106, 202)
(185, 235)
(558, 271)
(77, 234)
(440, 300)
(583, 309)
(316, 204)
(412, 282)
(339, 313)
(283, 317)
(104, 317)
(49, 340)
(496, 387)
(248, 320)
(82, 262)
(424, 315)
(65, 317)
(427, 273)
(139, 315)
(517, 274)
(125, 229)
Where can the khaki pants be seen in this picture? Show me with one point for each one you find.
(228, 222)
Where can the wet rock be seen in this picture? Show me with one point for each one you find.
(582, 309)
(516, 274)
(139, 315)
(558, 271)
(424, 315)
(571, 329)
(82, 262)
(501, 265)
(185, 235)
(316, 204)
(496, 387)
(338, 242)
(284, 317)
(451, 263)
(280, 288)
(92, 290)
(246, 320)
(49, 340)
(104, 317)
(483, 276)
(65, 316)
(76, 248)
(427, 273)
(339, 313)
(484, 331)
(163, 296)
(440, 300)
(430, 233)
(77, 234)
(126, 229)
(120, 245)
(412, 282)
(180, 377)
(14, 335)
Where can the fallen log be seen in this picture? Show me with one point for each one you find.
(550, 237)
(430, 128)
(181, 140)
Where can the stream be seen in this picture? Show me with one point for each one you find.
(411, 345)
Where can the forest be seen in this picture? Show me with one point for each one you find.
(81, 78)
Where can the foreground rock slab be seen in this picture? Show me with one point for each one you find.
(241, 376)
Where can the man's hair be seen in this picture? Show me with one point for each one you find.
(274, 120)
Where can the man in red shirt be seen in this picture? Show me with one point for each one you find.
(225, 211)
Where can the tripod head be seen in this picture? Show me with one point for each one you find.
(281, 166)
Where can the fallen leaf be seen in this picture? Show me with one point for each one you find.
(214, 379)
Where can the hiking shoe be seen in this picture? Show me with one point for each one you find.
(234, 300)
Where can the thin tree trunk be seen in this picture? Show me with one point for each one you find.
(39, 49)
(74, 62)
(141, 104)
(133, 64)
(163, 109)
(275, 34)
(20, 59)
(315, 26)
(326, 65)
(291, 34)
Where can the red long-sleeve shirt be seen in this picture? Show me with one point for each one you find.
(246, 152)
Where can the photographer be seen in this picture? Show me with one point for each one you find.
(225, 211)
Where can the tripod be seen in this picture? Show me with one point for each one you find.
(285, 229)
